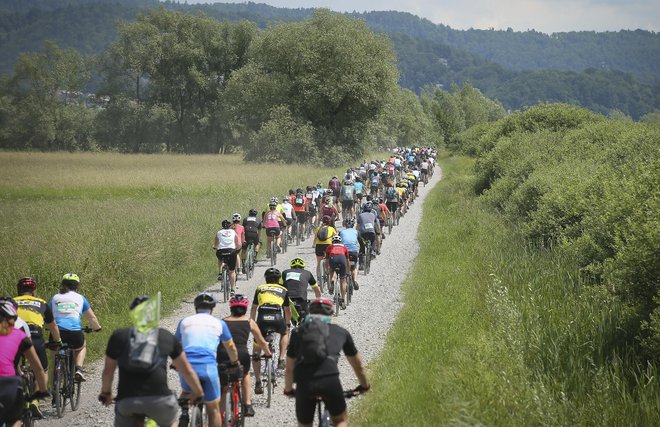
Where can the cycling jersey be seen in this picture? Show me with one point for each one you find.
(367, 222)
(68, 309)
(288, 209)
(34, 311)
(359, 188)
(271, 294)
(300, 203)
(12, 346)
(347, 193)
(271, 219)
(252, 224)
(200, 335)
(278, 208)
(336, 249)
(240, 232)
(349, 237)
(296, 280)
(226, 239)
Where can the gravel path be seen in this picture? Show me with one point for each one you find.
(368, 318)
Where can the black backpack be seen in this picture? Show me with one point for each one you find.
(300, 200)
(313, 348)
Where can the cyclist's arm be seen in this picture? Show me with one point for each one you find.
(253, 312)
(231, 350)
(216, 242)
(54, 331)
(258, 338)
(107, 377)
(358, 368)
(237, 241)
(287, 311)
(183, 367)
(93, 321)
(31, 355)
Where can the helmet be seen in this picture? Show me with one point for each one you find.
(272, 275)
(252, 212)
(327, 219)
(274, 200)
(367, 207)
(204, 301)
(336, 238)
(239, 300)
(236, 217)
(299, 190)
(7, 309)
(138, 300)
(297, 262)
(321, 306)
(328, 191)
(226, 223)
(286, 200)
(272, 205)
(26, 283)
(70, 280)
(349, 223)
(291, 191)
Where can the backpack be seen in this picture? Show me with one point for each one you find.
(300, 200)
(334, 184)
(375, 179)
(391, 194)
(314, 335)
(142, 354)
(323, 232)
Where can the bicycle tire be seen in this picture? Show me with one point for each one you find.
(197, 413)
(273, 251)
(298, 233)
(28, 390)
(337, 290)
(367, 257)
(349, 291)
(75, 395)
(225, 284)
(236, 406)
(389, 225)
(59, 387)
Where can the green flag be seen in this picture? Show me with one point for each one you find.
(146, 316)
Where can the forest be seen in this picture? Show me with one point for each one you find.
(605, 72)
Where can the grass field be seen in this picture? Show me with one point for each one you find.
(497, 332)
(127, 224)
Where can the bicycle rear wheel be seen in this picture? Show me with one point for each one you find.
(367, 258)
(349, 291)
(269, 381)
(237, 405)
(389, 225)
(273, 251)
(225, 284)
(75, 395)
(198, 415)
(337, 296)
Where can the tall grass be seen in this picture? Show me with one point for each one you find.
(495, 331)
(127, 224)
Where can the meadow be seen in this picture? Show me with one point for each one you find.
(497, 331)
(127, 224)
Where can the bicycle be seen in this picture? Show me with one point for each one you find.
(196, 412)
(349, 288)
(273, 248)
(367, 257)
(323, 277)
(225, 285)
(65, 385)
(268, 374)
(285, 238)
(296, 231)
(234, 410)
(248, 262)
(28, 379)
(389, 224)
(337, 291)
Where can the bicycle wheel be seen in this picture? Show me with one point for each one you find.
(367, 258)
(198, 415)
(248, 262)
(59, 387)
(269, 381)
(389, 225)
(298, 231)
(337, 296)
(75, 394)
(398, 215)
(273, 251)
(349, 291)
(237, 405)
(225, 284)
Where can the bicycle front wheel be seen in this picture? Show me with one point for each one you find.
(59, 387)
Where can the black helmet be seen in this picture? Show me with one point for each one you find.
(272, 275)
(226, 224)
(253, 212)
(138, 300)
(204, 301)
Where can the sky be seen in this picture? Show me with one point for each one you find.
(547, 16)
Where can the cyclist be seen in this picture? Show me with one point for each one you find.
(144, 391)
(301, 208)
(289, 215)
(270, 309)
(350, 239)
(226, 245)
(295, 280)
(367, 224)
(310, 200)
(36, 312)
(14, 343)
(335, 186)
(337, 257)
(68, 308)
(383, 214)
(273, 221)
(358, 186)
(322, 238)
(329, 209)
(240, 232)
(392, 199)
(200, 335)
(240, 326)
(322, 380)
(347, 199)
(252, 225)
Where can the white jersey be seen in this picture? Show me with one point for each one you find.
(226, 239)
(416, 173)
(288, 208)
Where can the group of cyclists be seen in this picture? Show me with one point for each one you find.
(209, 352)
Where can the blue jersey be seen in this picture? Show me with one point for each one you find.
(200, 335)
(349, 237)
(68, 309)
(359, 188)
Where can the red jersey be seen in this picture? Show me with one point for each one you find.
(240, 232)
(336, 249)
(301, 208)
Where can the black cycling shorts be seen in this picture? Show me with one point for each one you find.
(11, 399)
(273, 231)
(75, 339)
(40, 348)
(347, 204)
(301, 217)
(251, 238)
(223, 359)
(392, 206)
(338, 261)
(271, 319)
(228, 256)
(327, 388)
(320, 250)
(353, 256)
(370, 236)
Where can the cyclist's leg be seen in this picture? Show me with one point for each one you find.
(232, 260)
(284, 340)
(76, 341)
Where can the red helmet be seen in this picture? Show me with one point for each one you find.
(321, 306)
(239, 300)
(26, 283)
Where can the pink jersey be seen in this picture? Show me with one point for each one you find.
(240, 232)
(270, 219)
(10, 346)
